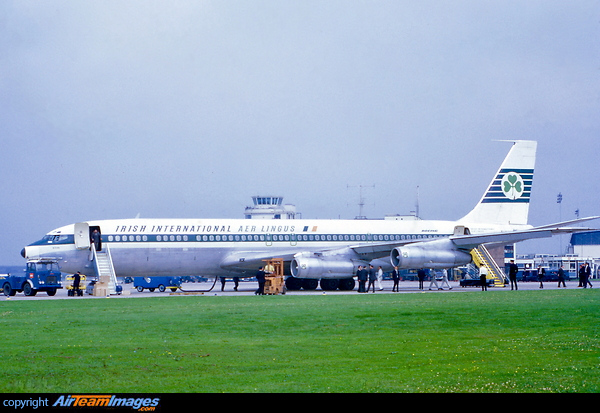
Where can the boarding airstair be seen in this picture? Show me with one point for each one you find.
(482, 258)
(107, 278)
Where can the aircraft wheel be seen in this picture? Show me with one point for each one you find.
(347, 284)
(310, 284)
(293, 283)
(329, 284)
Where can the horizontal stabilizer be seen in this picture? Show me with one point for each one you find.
(571, 222)
(546, 231)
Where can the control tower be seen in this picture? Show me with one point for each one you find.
(270, 207)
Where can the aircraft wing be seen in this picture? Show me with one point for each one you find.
(373, 251)
(468, 242)
(248, 262)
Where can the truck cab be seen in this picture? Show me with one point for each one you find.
(39, 275)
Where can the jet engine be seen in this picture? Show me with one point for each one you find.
(316, 268)
(437, 254)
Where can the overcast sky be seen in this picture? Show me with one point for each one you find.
(186, 109)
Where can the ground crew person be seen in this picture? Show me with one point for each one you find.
(483, 272)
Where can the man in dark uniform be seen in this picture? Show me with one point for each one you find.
(372, 278)
(96, 240)
(561, 277)
(581, 275)
(362, 279)
(76, 283)
(260, 277)
(396, 278)
(587, 275)
(512, 274)
(236, 283)
(421, 275)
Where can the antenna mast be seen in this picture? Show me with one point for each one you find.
(361, 200)
(417, 206)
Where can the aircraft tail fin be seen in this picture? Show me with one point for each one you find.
(506, 200)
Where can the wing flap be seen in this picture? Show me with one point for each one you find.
(250, 261)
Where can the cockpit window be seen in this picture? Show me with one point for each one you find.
(55, 238)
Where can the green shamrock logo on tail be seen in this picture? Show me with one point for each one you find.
(512, 185)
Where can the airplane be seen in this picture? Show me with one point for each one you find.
(312, 250)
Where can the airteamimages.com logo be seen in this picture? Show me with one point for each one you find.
(141, 404)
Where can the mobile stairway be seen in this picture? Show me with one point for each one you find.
(482, 258)
(107, 278)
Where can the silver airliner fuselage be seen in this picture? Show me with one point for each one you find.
(227, 247)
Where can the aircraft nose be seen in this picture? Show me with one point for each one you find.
(23, 253)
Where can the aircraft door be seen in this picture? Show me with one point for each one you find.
(82, 236)
(461, 230)
(96, 237)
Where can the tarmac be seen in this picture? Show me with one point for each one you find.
(249, 287)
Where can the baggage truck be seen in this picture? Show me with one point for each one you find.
(39, 275)
(153, 283)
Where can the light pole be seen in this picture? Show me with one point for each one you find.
(559, 198)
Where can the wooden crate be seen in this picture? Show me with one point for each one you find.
(274, 284)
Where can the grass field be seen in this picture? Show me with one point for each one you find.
(526, 341)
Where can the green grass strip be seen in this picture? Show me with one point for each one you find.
(526, 341)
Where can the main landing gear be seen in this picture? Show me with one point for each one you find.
(327, 284)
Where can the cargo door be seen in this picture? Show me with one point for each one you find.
(82, 236)
(461, 230)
